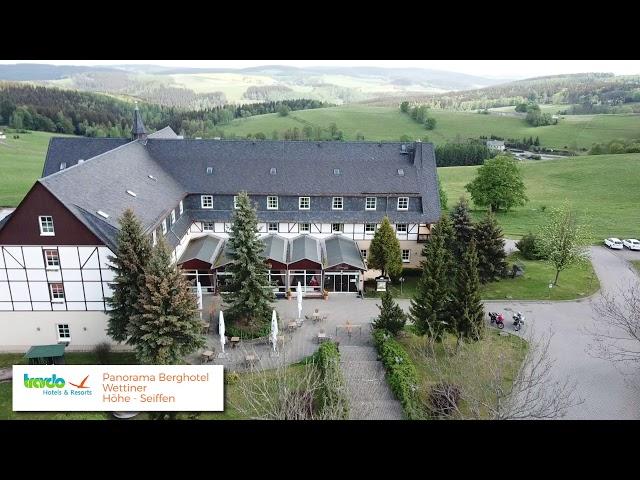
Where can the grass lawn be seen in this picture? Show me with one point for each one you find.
(636, 264)
(21, 162)
(232, 404)
(602, 188)
(469, 370)
(575, 282)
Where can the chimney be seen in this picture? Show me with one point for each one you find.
(138, 132)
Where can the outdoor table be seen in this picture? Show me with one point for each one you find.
(249, 360)
(234, 341)
(322, 337)
(207, 355)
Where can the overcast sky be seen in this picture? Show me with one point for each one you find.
(486, 68)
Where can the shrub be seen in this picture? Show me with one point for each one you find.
(392, 318)
(401, 372)
(102, 352)
(529, 247)
(333, 392)
(444, 399)
(231, 378)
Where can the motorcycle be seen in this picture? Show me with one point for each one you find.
(497, 318)
(518, 321)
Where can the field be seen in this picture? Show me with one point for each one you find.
(603, 189)
(21, 162)
(387, 123)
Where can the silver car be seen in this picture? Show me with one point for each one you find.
(614, 243)
(631, 244)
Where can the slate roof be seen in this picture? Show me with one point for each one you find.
(305, 247)
(202, 248)
(72, 149)
(275, 248)
(342, 250)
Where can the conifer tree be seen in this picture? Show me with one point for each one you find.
(166, 327)
(467, 311)
(462, 228)
(490, 246)
(248, 291)
(431, 304)
(131, 257)
(392, 318)
(384, 251)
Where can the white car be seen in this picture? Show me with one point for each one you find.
(631, 244)
(613, 243)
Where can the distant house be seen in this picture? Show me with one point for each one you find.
(495, 145)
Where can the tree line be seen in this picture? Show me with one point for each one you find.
(458, 153)
(95, 115)
(419, 113)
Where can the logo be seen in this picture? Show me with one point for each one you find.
(48, 382)
(82, 385)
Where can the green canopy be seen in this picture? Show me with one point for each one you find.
(45, 351)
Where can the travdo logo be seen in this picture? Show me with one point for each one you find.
(50, 382)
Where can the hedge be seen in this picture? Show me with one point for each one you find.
(334, 388)
(401, 372)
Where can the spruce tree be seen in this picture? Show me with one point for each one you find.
(392, 318)
(248, 291)
(384, 251)
(166, 327)
(467, 311)
(462, 228)
(431, 304)
(131, 257)
(490, 246)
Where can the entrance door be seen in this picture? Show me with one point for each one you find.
(341, 282)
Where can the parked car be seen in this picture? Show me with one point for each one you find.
(631, 244)
(613, 243)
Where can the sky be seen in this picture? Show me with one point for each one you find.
(483, 68)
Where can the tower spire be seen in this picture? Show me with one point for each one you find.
(138, 132)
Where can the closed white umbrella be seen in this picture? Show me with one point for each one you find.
(199, 291)
(221, 330)
(274, 330)
(299, 301)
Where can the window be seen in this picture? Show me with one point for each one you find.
(46, 226)
(401, 172)
(369, 228)
(304, 203)
(370, 203)
(51, 258)
(63, 165)
(164, 226)
(272, 227)
(207, 226)
(336, 171)
(364, 254)
(273, 170)
(337, 203)
(403, 203)
(305, 227)
(272, 203)
(57, 292)
(173, 217)
(406, 256)
(181, 207)
(337, 227)
(235, 202)
(154, 237)
(63, 331)
(209, 170)
(401, 227)
(103, 214)
(207, 201)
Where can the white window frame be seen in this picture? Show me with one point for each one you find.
(154, 237)
(45, 225)
(164, 226)
(63, 331)
(181, 207)
(337, 200)
(173, 217)
(235, 202)
(55, 297)
(405, 225)
(209, 199)
(341, 228)
(367, 231)
(211, 224)
(270, 202)
(404, 199)
(408, 252)
(302, 229)
(306, 200)
(269, 224)
(47, 260)
(375, 203)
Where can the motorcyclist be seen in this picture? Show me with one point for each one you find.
(500, 318)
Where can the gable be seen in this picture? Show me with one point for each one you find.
(23, 227)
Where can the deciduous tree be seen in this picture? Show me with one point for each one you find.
(498, 184)
(384, 251)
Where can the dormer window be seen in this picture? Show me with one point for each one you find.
(272, 203)
(206, 201)
(273, 171)
(336, 171)
(370, 203)
(181, 207)
(63, 165)
(164, 226)
(336, 204)
(173, 217)
(403, 203)
(401, 172)
(46, 226)
(304, 203)
(209, 170)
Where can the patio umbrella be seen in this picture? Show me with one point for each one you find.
(221, 330)
(299, 301)
(274, 330)
(199, 291)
